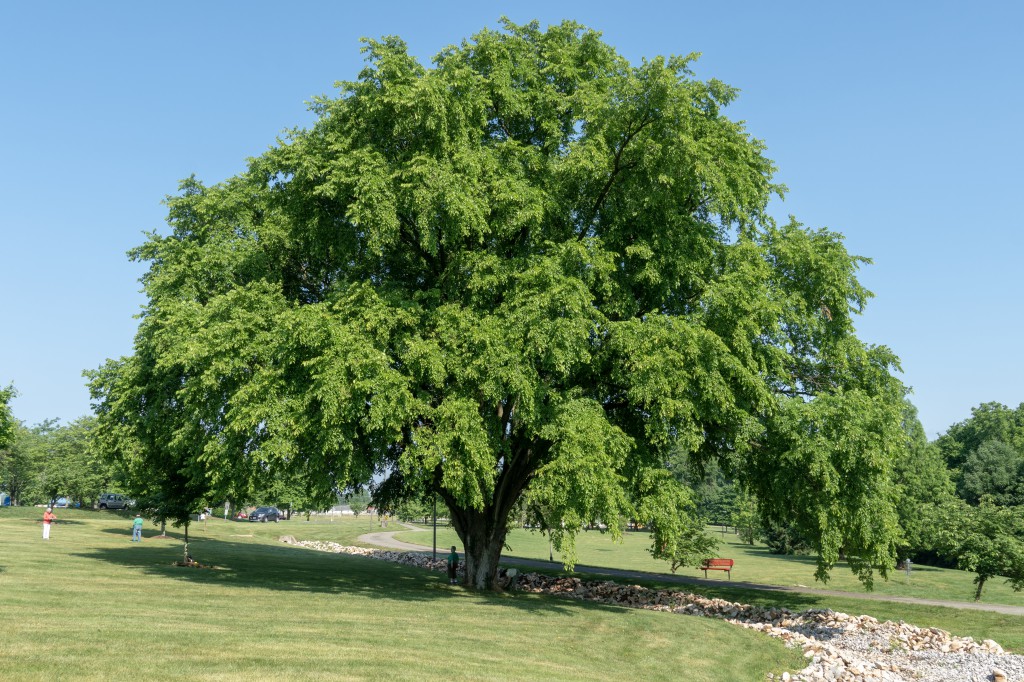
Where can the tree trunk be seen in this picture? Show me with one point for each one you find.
(981, 583)
(483, 531)
(483, 539)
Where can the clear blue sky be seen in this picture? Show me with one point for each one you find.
(900, 128)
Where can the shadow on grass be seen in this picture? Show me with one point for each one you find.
(39, 521)
(289, 568)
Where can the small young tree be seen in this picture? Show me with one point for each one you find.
(987, 540)
(745, 518)
(358, 502)
(158, 464)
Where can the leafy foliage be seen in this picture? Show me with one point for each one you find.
(986, 539)
(358, 502)
(783, 539)
(924, 483)
(677, 538)
(415, 509)
(986, 454)
(715, 496)
(7, 421)
(532, 267)
(50, 460)
(138, 431)
(746, 518)
(71, 464)
(20, 464)
(994, 470)
(988, 422)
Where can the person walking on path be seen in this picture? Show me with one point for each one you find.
(137, 528)
(453, 566)
(48, 518)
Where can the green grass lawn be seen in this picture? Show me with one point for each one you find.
(90, 604)
(753, 564)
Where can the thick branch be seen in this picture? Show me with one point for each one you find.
(511, 482)
(505, 413)
(617, 167)
(409, 236)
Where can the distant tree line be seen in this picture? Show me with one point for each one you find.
(49, 460)
(42, 463)
(960, 502)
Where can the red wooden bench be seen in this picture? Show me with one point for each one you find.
(717, 565)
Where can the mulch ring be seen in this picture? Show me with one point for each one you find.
(191, 564)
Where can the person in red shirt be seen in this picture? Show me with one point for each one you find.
(48, 518)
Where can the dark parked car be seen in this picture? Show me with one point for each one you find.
(265, 514)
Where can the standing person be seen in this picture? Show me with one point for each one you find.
(48, 518)
(137, 528)
(453, 566)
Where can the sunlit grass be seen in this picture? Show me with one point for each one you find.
(89, 604)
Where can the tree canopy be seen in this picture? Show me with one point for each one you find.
(50, 460)
(987, 540)
(994, 470)
(988, 422)
(19, 466)
(7, 421)
(531, 266)
(986, 454)
(924, 484)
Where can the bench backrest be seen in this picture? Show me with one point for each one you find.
(718, 562)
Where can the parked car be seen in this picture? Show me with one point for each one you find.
(112, 501)
(60, 503)
(264, 514)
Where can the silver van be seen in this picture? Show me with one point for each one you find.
(112, 501)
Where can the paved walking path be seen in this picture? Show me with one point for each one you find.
(387, 539)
